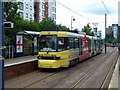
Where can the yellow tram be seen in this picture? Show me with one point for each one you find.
(58, 49)
(64, 49)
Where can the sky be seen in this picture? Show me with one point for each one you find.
(87, 11)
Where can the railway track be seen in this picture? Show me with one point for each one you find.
(37, 73)
(86, 75)
(107, 79)
(89, 72)
(82, 78)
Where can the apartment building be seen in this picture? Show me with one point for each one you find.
(115, 30)
(52, 9)
(37, 10)
(26, 9)
(45, 9)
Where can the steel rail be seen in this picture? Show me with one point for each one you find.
(89, 72)
(105, 83)
(24, 76)
(36, 81)
(53, 74)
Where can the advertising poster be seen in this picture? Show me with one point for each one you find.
(19, 43)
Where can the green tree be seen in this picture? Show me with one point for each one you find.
(63, 27)
(87, 29)
(20, 25)
(11, 11)
(27, 25)
(109, 38)
(47, 23)
(10, 14)
(76, 30)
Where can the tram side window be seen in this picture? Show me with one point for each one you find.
(99, 44)
(95, 45)
(76, 43)
(81, 44)
(89, 44)
(61, 44)
(71, 43)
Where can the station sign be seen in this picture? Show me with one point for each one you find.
(8, 25)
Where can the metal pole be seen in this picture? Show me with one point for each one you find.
(72, 19)
(1, 45)
(33, 46)
(12, 50)
(105, 31)
(9, 51)
(71, 23)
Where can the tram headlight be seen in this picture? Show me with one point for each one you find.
(38, 57)
(54, 58)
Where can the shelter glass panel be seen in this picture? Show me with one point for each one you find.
(27, 45)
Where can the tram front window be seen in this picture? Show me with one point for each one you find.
(48, 43)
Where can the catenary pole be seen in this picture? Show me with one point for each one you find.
(105, 31)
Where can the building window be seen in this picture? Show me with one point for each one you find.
(54, 16)
(21, 14)
(30, 7)
(43, 5)
(26, 6)
(21, 6)
(26, 15)
(54, 2)
(54, 9)
(42, 12)
(30, 17)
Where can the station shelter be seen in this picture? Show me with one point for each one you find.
(26, 43)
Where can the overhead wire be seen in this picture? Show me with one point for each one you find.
(75, 12)
(108, 11)
(86, 17)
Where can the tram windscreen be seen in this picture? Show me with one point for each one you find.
(48, 43)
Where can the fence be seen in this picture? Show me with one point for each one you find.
(9, 52)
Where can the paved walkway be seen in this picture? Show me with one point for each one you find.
(19, 60)
(115, 77)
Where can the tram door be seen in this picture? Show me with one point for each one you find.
(27, 45)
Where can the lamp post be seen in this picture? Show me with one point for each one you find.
(72, 19)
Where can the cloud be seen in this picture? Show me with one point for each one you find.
(93, 10)
(93, 7)
(99, 9)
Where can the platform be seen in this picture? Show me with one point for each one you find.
(19, 60)
(116, 76)
(18, 66)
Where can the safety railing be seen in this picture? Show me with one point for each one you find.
(9, 51)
